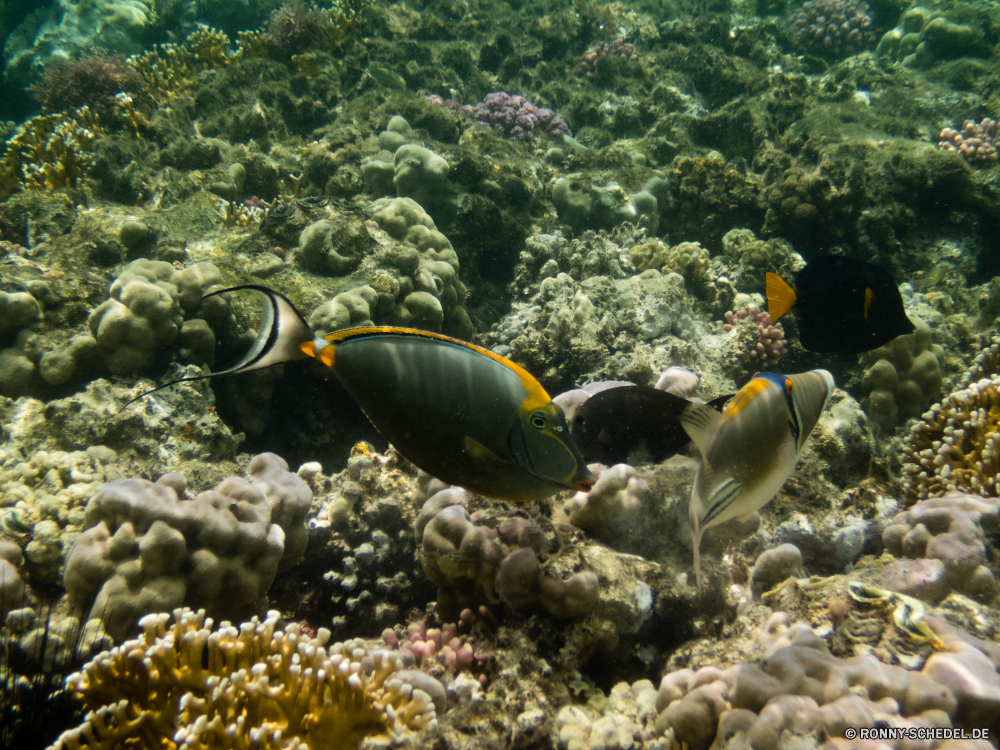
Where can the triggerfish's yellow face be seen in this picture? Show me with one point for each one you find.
(541, 444)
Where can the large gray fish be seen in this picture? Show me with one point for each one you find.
(460, 412)
(750, 449)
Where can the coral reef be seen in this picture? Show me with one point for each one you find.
(954, 445)
(50, 152)
(331, 152)
(976, 141)
(833, 28)
(254, 683)
(171, 69)
(804, 690)
(923, 37)
(473, 565)
(769, 342)
(942, 539)
(618, 48)
(904, 376)
(516, 118)
(147, 546)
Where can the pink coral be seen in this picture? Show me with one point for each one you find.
(975, 141)
(447, 644)
(770, 344)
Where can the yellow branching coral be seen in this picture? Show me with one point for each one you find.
(343, 17)
(169, 69)
(49, 152)
(956, 445)
(193, 688)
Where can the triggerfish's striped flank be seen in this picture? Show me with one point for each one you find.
(750, 449)
(459, 412)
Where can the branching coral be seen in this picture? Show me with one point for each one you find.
(169, 69)
(764, 339)
(956, 445)
(253, 686)
(516, 118)
(976, 141)
(50, 152)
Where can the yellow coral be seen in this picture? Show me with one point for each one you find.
(49, 152)
(956, 445)
(169, 69)
(193, 688)
(689, 259)
(253, 43)
(343, 18)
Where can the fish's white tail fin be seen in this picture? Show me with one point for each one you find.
(695, 512)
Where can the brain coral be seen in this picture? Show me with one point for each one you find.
(955, 445)
(254, 686)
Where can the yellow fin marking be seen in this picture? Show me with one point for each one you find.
(480, 452)
(780, 297)
(869, 296)
(747, 394)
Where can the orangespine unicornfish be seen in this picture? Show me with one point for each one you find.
(842, 305)
(750, 449)
(459, 412)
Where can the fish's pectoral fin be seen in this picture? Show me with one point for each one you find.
(282, 332)
(480, 452)
(780, 297)
(700, 421)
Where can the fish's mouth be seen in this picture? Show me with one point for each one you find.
(584, 485)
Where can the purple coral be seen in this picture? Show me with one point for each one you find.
(770, 344)
(976, 141)
(833, 28)
(516, 117)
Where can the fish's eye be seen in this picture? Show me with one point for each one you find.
(538, 420)
(789, 386)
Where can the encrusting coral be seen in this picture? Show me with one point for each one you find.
(252, 686)
(955, 446)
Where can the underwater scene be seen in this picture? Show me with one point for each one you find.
(531, 374)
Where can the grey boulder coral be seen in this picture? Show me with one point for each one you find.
(151, 547)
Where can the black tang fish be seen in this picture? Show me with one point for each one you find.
(613, 423)
(842, 305)
(459, 412)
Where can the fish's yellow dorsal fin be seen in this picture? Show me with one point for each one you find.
(869, 296)
(780, 297)
(480, 452)
(700, 422)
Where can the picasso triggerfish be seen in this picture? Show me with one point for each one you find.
(842, 305)
(750, 449)
(459, 412)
